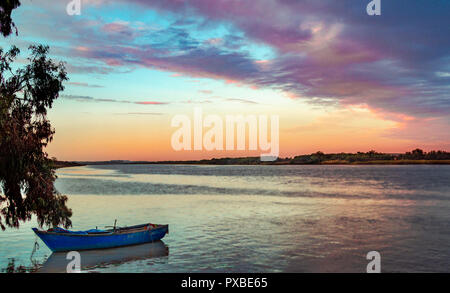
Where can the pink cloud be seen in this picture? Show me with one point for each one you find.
(116, 27)
(151, 103)
(321, 51)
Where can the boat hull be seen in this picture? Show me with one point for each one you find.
(58, 242)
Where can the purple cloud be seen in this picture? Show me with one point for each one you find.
(322, 50)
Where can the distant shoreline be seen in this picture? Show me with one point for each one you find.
(398, 162)
(402, 162)
(416, 157)
(65, 164)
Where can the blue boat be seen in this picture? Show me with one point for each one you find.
(58, 239)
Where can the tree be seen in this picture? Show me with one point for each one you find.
(6, 23)
(27, 175)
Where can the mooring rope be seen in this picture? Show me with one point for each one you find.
(35, 248)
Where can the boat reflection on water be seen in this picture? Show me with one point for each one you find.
(90, 259)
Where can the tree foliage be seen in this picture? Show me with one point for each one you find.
(27, 175)
(371, 156)
(6, 23)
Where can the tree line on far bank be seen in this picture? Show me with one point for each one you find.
(415, 156)
(371, 156)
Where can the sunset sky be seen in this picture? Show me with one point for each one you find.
(340, 80)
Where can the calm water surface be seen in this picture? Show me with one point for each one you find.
(257, 218)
